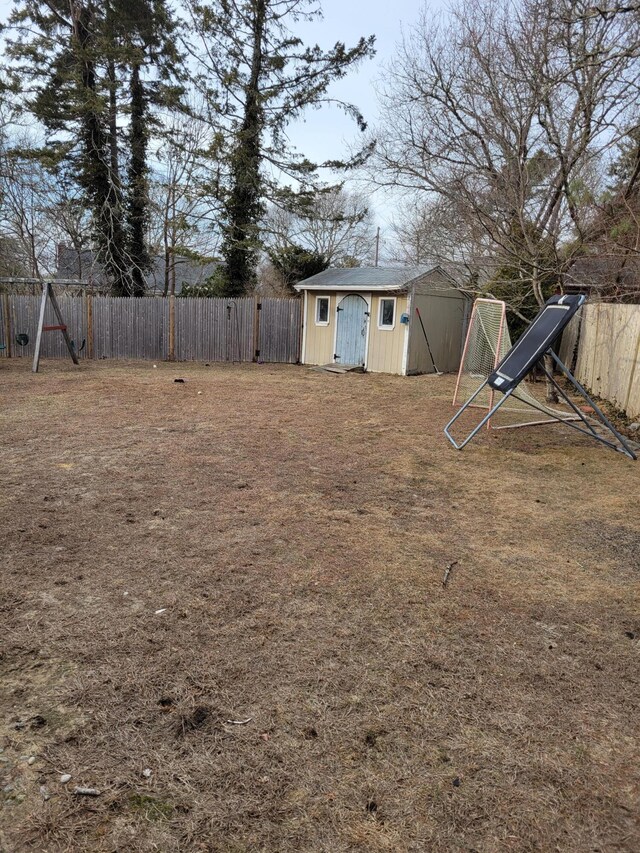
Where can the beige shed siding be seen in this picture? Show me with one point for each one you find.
(319, 339)
(386, 346)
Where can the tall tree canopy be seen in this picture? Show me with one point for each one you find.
(258, 77)
(502, 118)
(82, 66)
(334, 223)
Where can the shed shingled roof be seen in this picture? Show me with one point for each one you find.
(365, 278)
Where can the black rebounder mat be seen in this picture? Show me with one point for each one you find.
(535, 342)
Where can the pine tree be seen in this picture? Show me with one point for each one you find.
(82, 64)
(137, 201)
(263, 78)
(57, 47)
(141, 36)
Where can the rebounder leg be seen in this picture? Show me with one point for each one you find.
(623, 445)
(620, 445)
(484, 420)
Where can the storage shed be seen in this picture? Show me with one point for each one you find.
(369, 317)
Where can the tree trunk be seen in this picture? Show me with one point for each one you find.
(137, 206)
(244, 205)
(95, 170)
(113, 124)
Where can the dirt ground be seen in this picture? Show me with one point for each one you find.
(223, 608)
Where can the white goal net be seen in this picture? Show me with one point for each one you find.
(487, 343)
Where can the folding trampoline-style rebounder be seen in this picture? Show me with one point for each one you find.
(520, 360)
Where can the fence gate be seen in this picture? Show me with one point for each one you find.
(215, 329)
(279, 331)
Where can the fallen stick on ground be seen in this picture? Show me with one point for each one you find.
(447, 572)
(239, 722)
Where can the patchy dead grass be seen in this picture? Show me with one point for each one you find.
(293, 529)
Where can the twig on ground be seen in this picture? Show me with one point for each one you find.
(447, 572)
(239, 722)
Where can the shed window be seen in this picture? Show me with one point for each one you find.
(387, 315)
(322, 310)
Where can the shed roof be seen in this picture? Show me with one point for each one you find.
(365, 278)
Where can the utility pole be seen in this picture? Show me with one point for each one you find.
(377, 246)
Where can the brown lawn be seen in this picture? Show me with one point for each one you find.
(293, 528)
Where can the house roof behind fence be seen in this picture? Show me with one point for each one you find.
(365, 278)
(73, 264)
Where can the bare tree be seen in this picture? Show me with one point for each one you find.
(184, 214)
(503, 115)
(335, 223)
(436, 230)
(39, 206)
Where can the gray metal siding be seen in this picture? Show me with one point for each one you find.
(443, 316)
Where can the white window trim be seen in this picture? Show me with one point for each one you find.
(328, 320)
(393, 299)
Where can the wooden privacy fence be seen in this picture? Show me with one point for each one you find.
(189, 329)
(609, 354)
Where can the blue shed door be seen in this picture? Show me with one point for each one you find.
(351, 338)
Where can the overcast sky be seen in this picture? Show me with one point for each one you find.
(325, 134)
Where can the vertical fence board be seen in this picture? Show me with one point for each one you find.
(24, 312)
(567, 350)
(633, 395)
(126, 327)
(279, 337)
(623, 330)
(4, 337)
(609, 352)
(207, 330)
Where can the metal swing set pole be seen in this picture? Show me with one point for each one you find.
(47, 292)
